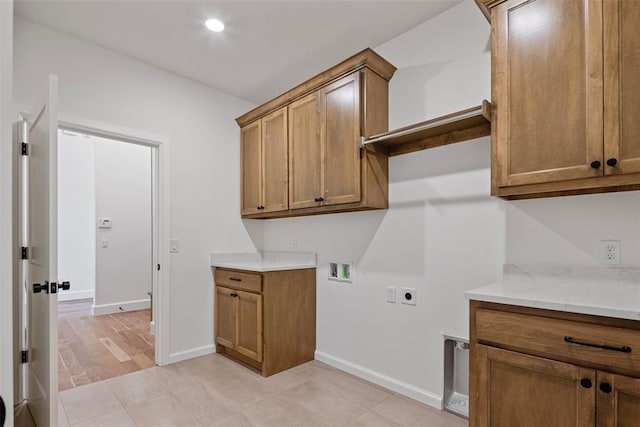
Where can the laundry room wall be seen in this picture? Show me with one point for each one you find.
(103, 86)
(442, 234)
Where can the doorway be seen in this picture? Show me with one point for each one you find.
(105, 250)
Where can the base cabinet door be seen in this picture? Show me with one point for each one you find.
(515, 389)
(618, 400)
(225, 317)
(249, 325)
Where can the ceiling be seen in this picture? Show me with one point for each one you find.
(267, 46)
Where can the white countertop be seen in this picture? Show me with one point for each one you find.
(264, 261)
(600, 292)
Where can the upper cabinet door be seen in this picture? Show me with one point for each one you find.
(340, 113)
(548, 91)
(304, 152)
(251, 168)
(275, 186)
(622, 86)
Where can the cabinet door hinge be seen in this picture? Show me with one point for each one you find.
(25, 149)
(24, 356)
(24, 252)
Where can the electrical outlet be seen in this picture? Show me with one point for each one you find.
(610, 251)
(391, 294)
(408, 296)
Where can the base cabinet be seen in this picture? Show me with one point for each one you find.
(266, 320)
(531, 367)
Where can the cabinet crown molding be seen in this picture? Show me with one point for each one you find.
(366, 58)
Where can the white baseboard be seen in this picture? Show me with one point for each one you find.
(189, 354)
(119, 307)
(398, 386)
(74, 295)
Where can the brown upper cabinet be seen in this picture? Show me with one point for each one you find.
(264, 164)
(564, 95)
(321, 123)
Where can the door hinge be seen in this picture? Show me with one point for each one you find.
(24, 252)
(24, 356)
(25, 149)
(158, 267)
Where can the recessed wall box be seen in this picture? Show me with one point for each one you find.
(346, 272)
(333, 271)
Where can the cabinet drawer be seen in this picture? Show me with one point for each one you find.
(237, 280)
(550, 337)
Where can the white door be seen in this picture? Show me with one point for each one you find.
(40, 268)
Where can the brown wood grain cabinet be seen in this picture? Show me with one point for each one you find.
(564, 93)
(264, 164)
(266, 320)
(328, 171)
(534, 367)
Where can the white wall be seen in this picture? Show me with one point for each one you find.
(443, 234)
(103, 86)
(567, 230)
(123, 194)
(76, 215)
(7, 243)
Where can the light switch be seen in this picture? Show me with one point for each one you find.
(174, 245)
(104, 243)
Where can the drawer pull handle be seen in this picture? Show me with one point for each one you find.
(235, 279)
(623, 349)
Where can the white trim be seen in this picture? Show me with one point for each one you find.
(398, 386)
(119, 307)
(8, 245)
(74, 295)
(189, 354)
(152, 328)
(161, 286)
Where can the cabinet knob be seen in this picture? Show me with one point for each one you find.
(585, 382)
(612, 162)
(260, 207)
(595, 164)
(605, 387)
(319, 199)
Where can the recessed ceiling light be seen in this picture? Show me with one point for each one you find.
(214, 25)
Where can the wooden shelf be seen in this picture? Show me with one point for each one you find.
(456, 127)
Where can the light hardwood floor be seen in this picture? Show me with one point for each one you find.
(211, 390)
(95, 348)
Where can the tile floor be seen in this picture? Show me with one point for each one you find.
(213, 391)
